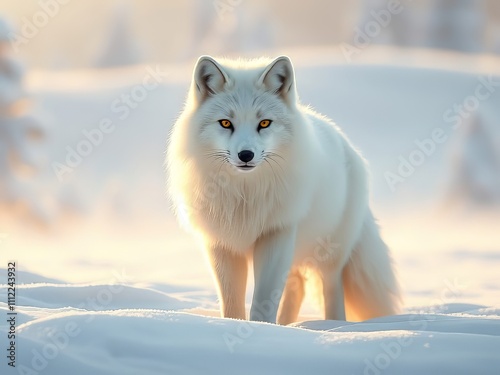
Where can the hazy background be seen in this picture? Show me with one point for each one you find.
(388, 81)
(170, 31)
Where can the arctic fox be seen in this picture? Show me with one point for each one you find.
(262, 179)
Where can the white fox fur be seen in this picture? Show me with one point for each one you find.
(303, 205)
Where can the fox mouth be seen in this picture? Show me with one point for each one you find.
(245, 167)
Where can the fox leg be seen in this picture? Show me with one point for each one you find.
(293, 296)
(230, 272)
(272, 260)
(333, 293)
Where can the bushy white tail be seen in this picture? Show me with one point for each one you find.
(370, 284)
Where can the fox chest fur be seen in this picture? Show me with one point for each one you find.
(232, 213)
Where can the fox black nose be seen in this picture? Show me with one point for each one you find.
(245, 155)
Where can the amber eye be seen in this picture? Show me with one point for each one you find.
(226, 124)
(264, 124)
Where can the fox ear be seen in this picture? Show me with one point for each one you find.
(209, 77)
(279, 78)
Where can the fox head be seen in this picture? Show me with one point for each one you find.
(242, 112)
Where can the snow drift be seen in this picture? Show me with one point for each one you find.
(120, 329)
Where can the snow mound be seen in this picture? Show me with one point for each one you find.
(128, 330)
(98, 297)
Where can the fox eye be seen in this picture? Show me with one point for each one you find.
(226, 124)
(264, 124)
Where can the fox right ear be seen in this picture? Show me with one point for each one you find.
(279, 78)
(209, 77)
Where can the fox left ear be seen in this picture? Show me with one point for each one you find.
(279, 78)
(209, 78)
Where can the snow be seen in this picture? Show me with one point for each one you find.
(119, 329)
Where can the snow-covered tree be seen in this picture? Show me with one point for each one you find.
(475, 169)
(120, 46)
(457, 24)
(21, 137)
(382, 25)
(495, 39)
(226, 26)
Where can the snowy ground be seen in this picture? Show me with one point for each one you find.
(119, 329)
(116, 287)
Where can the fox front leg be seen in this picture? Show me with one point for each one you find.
(272, 260)
(230, 272)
